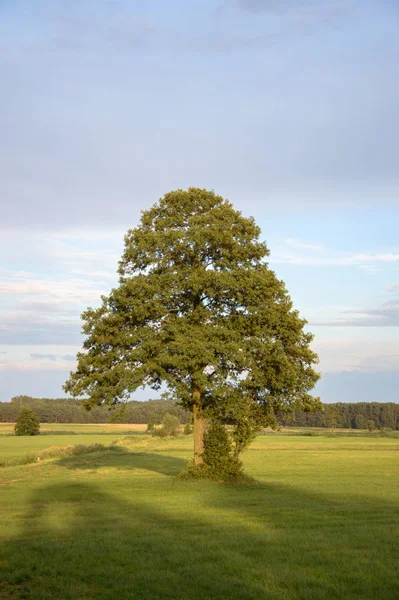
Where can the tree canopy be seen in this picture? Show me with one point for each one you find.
(27, 423)
(198, 309)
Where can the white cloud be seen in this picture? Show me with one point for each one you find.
(303, 246)
(385, 315)
(31, 328)
(360, 260)
(35, 357)
(356, 353)
(50, 279)
(29, 366)
(311, 254)
(59, 288)
(45, 357)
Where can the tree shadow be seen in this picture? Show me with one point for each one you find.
(203, 541)
(119, 459)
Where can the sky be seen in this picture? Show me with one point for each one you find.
(288, 108)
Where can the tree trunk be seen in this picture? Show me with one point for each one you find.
(236, 453)
(199, 426)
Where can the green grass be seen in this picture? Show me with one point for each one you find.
(17, 447)
(320, 522)
(90, 428)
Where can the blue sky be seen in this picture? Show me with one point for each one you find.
(289, 109)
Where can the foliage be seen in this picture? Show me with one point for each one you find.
(198, 309)
(244, 432)
(218, 453)
(27, 423)
(187, 429)
(361, 422)
(118, 415)
(170, 426)
(69, 410)
(219, 463)
(350, 415)
(151, 422)
(332, 415)
(159, 432)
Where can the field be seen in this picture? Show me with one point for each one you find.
(73, 428)
(320, 520)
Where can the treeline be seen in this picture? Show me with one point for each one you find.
(359, 415)
(63, 410)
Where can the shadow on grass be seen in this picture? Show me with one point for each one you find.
(120, 459)
(198, 541)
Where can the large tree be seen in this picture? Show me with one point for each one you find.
(198, 309)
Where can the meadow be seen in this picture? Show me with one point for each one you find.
(318, 521)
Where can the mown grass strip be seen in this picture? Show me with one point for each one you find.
(57, 452)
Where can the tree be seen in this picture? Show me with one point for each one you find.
(118, 416)
(187, 429)
(219, 461)
(170, 426)
(151, 422)
(198, 309)
(361, 422)
(331, 415)
(27, 423)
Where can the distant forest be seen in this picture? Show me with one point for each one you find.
(361, 415)
(64, 410)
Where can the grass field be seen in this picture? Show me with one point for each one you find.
(16, 447)
(319, 522)
(7, 428)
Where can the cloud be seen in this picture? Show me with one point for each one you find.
(279, 6)
(303, 246)
(217, 43)
(34, 330)
(302, 14)
(26, 319)
(318, 7)
(57, 306)
(49, 281)
(386, 315)
(72, 291)
(284, 19)
(301, 124)
(323, 256)
(356, 353)
(387, 363)
(33, 357)
(38, 356)
(74, 26)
